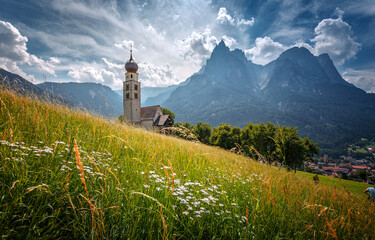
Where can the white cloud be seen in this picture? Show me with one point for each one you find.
(334, 36)
(13, 51)
(152, 30)
(84, 32)
(156, 76)
(338, 12)
(13, 44)
(229, 41)
(223, 16)
(265, 50)
(111, 65)
(364, 79)
(125, 44)
(92, 74)
(246, 22)
(12, 67)
(300, 43)
(54, 60)
(112, 74)
(197, 46)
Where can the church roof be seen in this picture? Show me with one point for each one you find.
(161, 120)
(149, 112)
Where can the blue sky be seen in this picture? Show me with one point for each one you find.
(84, 40)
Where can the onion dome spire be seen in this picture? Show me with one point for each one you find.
(131, 65)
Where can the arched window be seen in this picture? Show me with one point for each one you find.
(135, 95)
(136, 87)
(127, 95)
(131, 75)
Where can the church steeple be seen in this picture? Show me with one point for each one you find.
(132, 91)
(131, 51)
(131, 65)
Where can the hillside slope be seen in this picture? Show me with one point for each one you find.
(22, 86)
(66, 174)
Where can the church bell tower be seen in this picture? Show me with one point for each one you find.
(132, 92)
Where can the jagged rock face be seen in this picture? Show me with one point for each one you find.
(297, 89)
(228, 68)
(299, 71)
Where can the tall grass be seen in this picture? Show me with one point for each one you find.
(67, 174)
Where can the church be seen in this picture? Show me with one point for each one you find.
(149, 118)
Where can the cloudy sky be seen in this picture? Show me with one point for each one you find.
(88, 40)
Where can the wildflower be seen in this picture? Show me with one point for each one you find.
(146, 186)
(185, 213)
(142, 173)
(206, 200)
(196, 203)
(159, 180)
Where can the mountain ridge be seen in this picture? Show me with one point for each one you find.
(297, 89)
(94, 97)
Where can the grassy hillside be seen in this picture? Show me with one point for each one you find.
(65, 174)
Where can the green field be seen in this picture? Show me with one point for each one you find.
(342, 184)
(68, 175)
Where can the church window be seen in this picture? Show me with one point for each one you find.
(135, 87)
(131, 75)
(135, 95)
(127, 86)
(127, 95)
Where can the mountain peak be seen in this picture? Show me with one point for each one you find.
(324, 56)
(221, 47)
(220, 51)
(330, 69)
(296, 52)
(222, 43)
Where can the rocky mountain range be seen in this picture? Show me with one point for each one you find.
(297, 89)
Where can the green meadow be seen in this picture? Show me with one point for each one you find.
(66, 174)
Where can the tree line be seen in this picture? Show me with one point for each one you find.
(264, 142)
